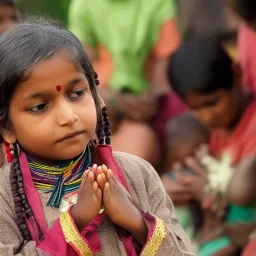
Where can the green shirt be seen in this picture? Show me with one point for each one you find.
(128, 29)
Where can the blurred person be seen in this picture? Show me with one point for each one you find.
(8, 15)
(246, 9)
(185, 135)
(196, 17)
(205, 77)
(129, 43)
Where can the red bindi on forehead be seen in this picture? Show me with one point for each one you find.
(58, 88)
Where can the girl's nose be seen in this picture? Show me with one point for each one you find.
(66, 115)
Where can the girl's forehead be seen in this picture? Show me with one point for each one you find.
(53, 74)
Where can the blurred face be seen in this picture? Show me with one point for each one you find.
(8, 18)
(178, 153)
(214, 110)
(53, 112)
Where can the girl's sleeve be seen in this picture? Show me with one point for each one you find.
(62, 239)
(165, 236)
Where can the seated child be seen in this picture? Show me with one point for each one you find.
(185, 135)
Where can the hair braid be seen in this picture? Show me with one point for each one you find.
(21, 205)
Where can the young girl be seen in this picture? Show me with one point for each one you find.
(64, 192)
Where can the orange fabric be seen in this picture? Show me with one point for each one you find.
(103, 66)
(168, 41)
(242, 142)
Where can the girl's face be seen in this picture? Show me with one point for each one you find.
(53, 112)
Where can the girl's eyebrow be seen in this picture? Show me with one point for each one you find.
(37, 95)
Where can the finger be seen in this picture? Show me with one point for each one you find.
(109, 175)
(84, 177)
(104, 178)
(195, 166)
(95, 187)
(99, 170)
(105, 169)
(106, 192)
(90, 177)
(100, 181)
(94, 169)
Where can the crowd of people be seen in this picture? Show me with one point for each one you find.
(169, 82)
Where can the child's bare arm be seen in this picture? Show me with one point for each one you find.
(242, 189)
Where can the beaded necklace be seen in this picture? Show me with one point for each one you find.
(60, 180)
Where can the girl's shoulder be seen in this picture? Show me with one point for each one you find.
(135, 168)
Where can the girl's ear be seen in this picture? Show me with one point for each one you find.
(8, 136)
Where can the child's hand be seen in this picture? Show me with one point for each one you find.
(117, 202)
(89, 200)
(116, 199)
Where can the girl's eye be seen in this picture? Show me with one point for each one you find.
(76, 94)
(39, 108)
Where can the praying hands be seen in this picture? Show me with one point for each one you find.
(99, 188)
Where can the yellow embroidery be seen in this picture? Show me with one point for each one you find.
(152, 246)
(73, 237)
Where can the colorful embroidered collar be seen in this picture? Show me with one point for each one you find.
(62, 179)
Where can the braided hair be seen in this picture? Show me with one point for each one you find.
(21, 48)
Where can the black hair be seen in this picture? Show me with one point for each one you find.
(21, 48)
(245, 8)
(8, 2)
(200, 65)
(183, 128)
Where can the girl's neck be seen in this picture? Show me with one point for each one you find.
(54, 163)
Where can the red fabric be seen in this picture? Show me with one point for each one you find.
(169, 106)
(250, 249)
(7, 151)
(247, 56)
(242, 142)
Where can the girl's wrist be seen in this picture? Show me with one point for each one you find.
(78, 219)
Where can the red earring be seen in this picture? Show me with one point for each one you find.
(9, 151)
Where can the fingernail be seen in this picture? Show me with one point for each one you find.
(94, 166)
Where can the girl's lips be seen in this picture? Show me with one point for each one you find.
(70, 135)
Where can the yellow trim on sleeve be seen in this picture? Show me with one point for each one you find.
(152, 246)
(73, 237)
